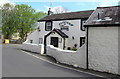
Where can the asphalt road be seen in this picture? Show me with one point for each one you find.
(16, 63)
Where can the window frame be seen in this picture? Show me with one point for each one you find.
(46, 26)
(82, 25)
(81, 41)
(31, 41)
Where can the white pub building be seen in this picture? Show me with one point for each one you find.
(64, 30)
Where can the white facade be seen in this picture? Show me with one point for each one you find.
(74, 33)
(103, 49)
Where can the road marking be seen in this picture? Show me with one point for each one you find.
(61, 65)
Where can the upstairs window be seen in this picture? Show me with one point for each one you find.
(48, 26)
(82, 25)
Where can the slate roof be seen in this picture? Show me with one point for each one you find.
(69, 15)
(104, 16)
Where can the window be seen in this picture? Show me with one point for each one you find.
(40, 40)
(82, 41)
(48, 26)
(82, 25)
(31, 41)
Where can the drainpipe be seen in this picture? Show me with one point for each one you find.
(45, 44)
(64, 43)
(87, 62)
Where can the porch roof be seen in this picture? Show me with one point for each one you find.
(58, 31)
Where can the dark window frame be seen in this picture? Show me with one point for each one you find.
(48, 26)
(81, 41)
(31, 41)
(82, 26)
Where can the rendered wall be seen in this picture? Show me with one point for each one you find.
(103, 49)
(33, 36)
(39, 48)
(75, 58)
(74, 31)
(119, 50)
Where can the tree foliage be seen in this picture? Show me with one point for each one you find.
(20, 19)
(26, 19)
(8, 27)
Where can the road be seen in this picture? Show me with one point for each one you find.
(16, 63)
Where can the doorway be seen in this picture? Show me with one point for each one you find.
(54, 41)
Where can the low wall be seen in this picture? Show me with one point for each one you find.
(39, 48)
(75, 58)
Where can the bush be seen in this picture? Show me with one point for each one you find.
(74, 49)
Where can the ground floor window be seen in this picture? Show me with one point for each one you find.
(31, 41)
(40, 40)
(82, 41)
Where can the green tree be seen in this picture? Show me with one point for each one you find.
(20, 19)
(8, 27)
(26, 19)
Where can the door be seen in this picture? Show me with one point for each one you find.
(54, 41)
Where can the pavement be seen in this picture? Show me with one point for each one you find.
(17, 63)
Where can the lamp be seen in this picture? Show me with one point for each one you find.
(73, 37)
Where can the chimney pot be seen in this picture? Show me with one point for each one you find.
(49, 11)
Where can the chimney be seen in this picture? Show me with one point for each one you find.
(49, 11)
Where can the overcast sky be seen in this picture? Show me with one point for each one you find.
(72, 5)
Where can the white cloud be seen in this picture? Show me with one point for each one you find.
(60, 9)
(6, 1)
(57, 9)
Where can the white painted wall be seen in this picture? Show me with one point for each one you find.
(73, 31)
(118, 49)
(33, 36)
(38, 48)
(103, 49)
(75, 58)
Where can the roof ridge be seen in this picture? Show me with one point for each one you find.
(72, 12)
(108, 7)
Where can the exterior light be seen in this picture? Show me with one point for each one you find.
(73, 37)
